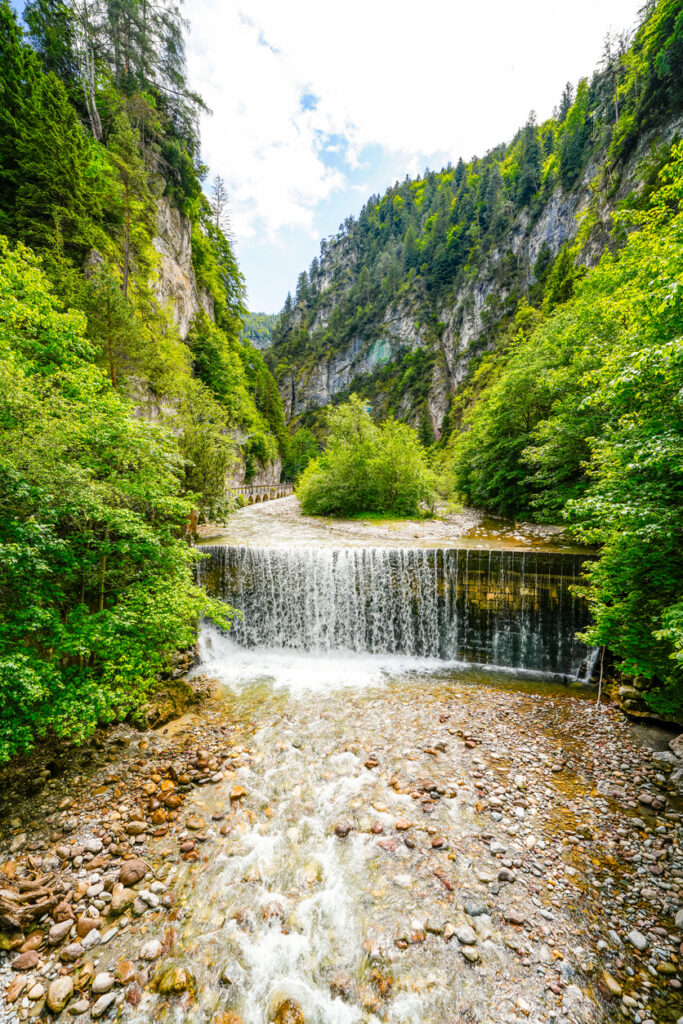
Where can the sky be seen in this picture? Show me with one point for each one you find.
(317, 105)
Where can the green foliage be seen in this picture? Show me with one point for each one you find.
(216, 269)
(366, 467)
(300, 449)
(96, 582)
(584, 418)
(258, 328)
(47, 195)
(239, 380)
(113, 432)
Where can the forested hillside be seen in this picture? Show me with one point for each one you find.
(128, 400)
(524, 312)
(258, 328)
(404, 301)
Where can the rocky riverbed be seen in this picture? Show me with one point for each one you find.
(433, 850)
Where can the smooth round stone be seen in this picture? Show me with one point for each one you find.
(102, 983)
(59, 993)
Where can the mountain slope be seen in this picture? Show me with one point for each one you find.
(405, 299)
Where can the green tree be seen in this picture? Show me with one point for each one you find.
(47, 197)
(96, 582)
(137, 204)
(366, 468)
(301, 447)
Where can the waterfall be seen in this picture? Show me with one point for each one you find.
(514, 609)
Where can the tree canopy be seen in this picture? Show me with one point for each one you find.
(366, 468)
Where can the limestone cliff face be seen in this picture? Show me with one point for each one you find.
(266, 476)
(176, 283)
(464, 322)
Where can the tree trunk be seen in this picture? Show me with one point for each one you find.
(126, 250)
(103, 570)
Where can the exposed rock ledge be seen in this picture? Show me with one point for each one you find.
(176, 283)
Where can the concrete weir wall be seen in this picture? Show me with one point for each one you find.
(513, 609)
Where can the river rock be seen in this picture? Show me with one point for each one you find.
(470, 953)
(676, 745)
(72, 952)
(342, 985)
(125, 971)
(174, 981)
(132, 871)
(59, 932)
(102, 1005)
(121, 899)
(25, 961)
(34, 941)
(102, 982)
(611, 984)
(63, 912)
(92, 939)
(289, 1012)
(136, 828)
(638, 940)
(85, 925)
(342, 828)
(18, 843)
(59, 993)
(515, 917)
(15, 988)
(572, 999)
(93, 845)
(151, 950)
(465, 935)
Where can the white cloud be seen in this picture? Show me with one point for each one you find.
(421, 80)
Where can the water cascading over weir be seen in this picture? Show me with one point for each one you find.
(509, 608)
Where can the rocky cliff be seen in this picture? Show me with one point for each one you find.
(462, 325)
(176, 283)
(407, 297)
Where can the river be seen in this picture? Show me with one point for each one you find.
(412, 821)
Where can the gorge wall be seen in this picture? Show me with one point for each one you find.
(176, 283)
(406, 298)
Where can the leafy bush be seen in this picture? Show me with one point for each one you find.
(96, 581)
(367, 468)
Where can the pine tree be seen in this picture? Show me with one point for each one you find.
(51, 34)
(565, 102)
(45, 198)
(136, 200)
(220, 209)
(529, 161)
(411, 250)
